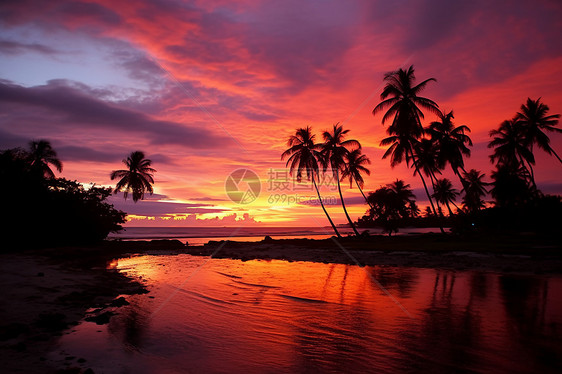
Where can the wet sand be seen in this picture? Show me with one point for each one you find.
(44, 293)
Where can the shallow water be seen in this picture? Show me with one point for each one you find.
(223, 315)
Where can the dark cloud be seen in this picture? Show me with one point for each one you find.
(151, 207)
(72, 108)
(15, 48)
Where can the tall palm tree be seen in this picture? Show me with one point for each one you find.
(303, 156)
(510, 148)
(334, 151)
(401, 100)
(137, 178)
(474, 189)
(534, 122)
(41, 155)
(451, 141)
(354, 168)
(445, 193)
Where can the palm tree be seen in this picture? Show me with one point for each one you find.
(335, 151)
(401, 100)
(444, 193)
(303, 156)
(510, 148)
(534, 122)
(451, 142)
(137, 178)
(41, 155)
(474, 189)
(354, 168)
(404, 195)
(510, 186)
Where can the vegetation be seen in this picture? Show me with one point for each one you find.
(41, 210)
(137, 178)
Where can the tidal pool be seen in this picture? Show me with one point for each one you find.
(226, 316)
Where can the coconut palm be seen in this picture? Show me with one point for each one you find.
(354, 168)
(444, 193)
(535, 122)
(451, 141)
(303, 156)
(137, 178)
(404, 196)
(335, 151)
(510, 148)
(511, 186)
(41, 155)
(474, 189)
(401, 100)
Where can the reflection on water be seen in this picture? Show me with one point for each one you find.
(258, 316)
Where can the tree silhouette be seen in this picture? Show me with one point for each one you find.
(137, 178)
(41, 155)
(474, 189)
(535, 122)
(354, 168)
(335, 151)
(303, 156)
(510, 148)
(444, 193)
(401, 100)
(451, 142)
(391, 203)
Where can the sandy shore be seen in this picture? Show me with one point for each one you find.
(41, 298)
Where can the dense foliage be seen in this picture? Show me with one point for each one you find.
(40, 210)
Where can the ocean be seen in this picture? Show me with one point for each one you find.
(201, 235)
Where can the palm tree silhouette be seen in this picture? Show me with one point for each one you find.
(41, 155)
(354, 168)
(403, 194)
(303, 156)
(444, 193)
(334, 152)
(474, 189)
(137, 178)
(451, 142)
(401, 100)
(510, 149)
(534, 122)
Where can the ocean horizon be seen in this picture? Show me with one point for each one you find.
(201, 235)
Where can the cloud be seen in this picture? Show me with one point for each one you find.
(154, 208)
(15, 48)
(70, 108)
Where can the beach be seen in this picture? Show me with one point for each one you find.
(47, 292)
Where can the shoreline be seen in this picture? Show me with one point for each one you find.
(45, 292)
(525, 254)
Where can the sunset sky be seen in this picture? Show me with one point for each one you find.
(208, 87)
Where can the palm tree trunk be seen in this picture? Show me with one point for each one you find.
(343, 204)
(323, 208)
(426, 190)
(556, 154)
(365, 197)
(449, 207)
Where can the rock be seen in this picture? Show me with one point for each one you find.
(119, 302)
(268, 239)
(100, 319)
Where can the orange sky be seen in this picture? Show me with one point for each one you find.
(207, 87)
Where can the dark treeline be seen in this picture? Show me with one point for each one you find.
(517, 202)
(40, 210)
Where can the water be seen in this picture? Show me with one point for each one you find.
(221, 315)
(201, 235)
